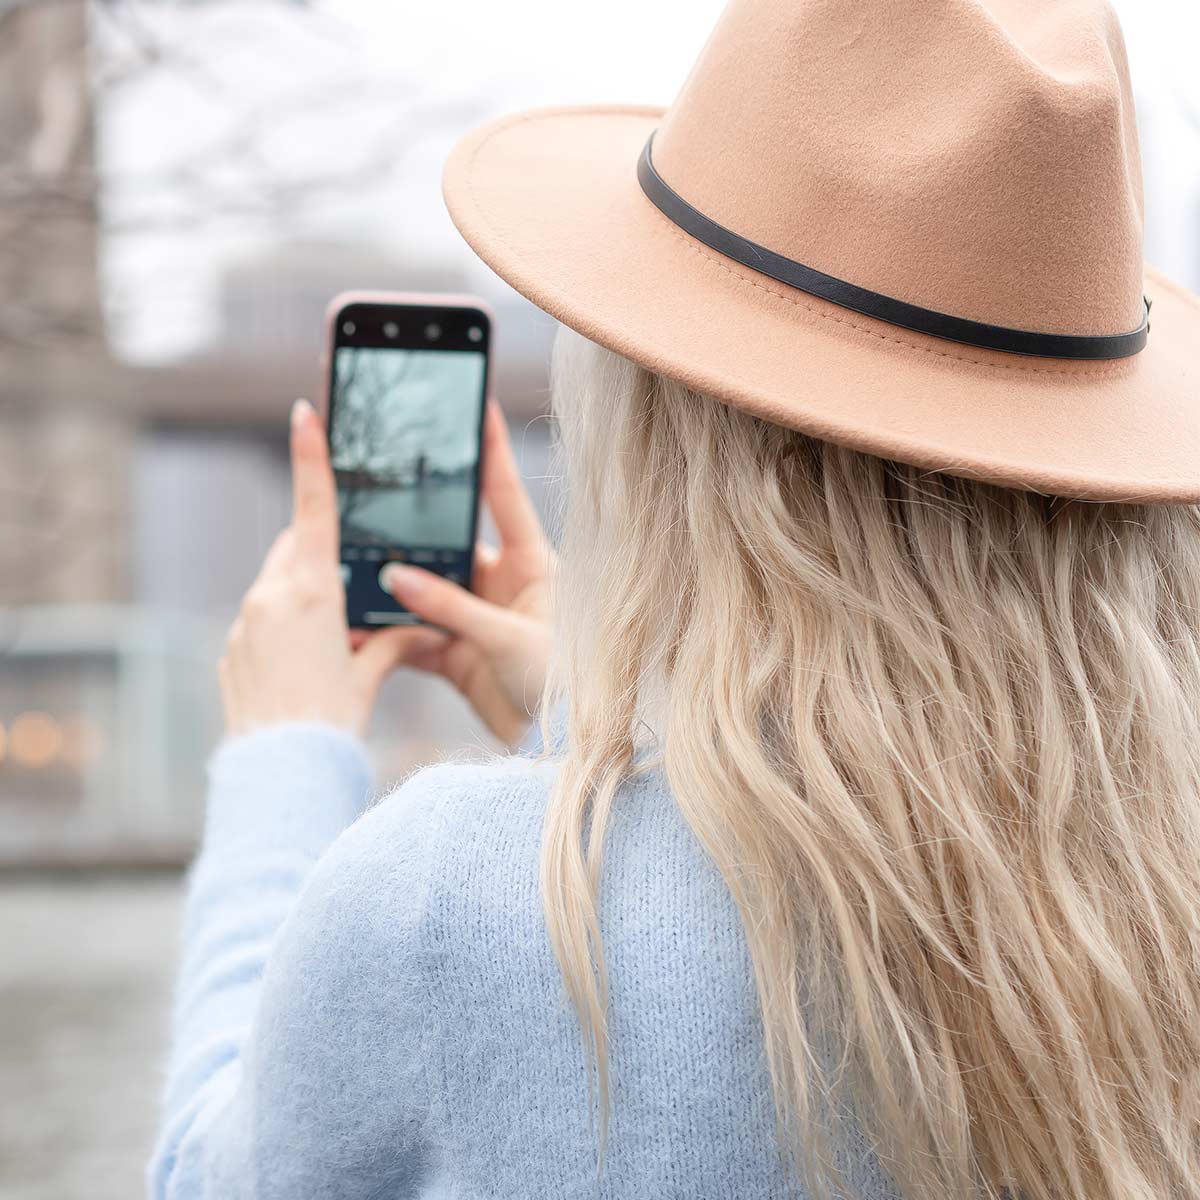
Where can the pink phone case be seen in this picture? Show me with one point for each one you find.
(405, 300)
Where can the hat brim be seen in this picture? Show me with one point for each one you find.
(550, 200)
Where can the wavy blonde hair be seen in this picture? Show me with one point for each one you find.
(941, 738)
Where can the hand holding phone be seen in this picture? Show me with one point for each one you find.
(493, 646)
(287, 657)
(411, 448)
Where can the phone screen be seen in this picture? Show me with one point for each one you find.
(407, 395)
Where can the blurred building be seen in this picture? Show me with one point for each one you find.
(137, 498)
(107, 721)
(108, 711)
(137, 501)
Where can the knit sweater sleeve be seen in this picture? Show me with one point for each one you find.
(274, 1086)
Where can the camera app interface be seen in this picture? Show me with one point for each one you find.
(404, 442)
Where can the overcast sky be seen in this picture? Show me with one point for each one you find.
(373, 92)
(341, 86)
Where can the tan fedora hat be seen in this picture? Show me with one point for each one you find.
(912, 227)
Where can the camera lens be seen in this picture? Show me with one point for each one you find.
(390, 329)
(433, 331)
(348, 327)
(475, 333)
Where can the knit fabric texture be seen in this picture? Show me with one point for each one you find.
(368, 1004)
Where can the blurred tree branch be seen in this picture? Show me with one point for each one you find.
(47, 184)
(67, 433)
(60, 61)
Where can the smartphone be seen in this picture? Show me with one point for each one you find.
(408, 384)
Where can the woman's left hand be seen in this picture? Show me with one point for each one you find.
(289, 656)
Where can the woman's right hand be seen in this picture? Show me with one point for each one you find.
(492, 644)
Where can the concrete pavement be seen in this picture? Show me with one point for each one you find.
(86, 962)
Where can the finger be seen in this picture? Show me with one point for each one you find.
(232, 674)
(416, 641)
(381, 653)
(228, 696)
(503, 488)
(452, 607)
(468, 673)
(466, 669)
(279, 556)
(487, 572)
(314, 495)
(427, 653)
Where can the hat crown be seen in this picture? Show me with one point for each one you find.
(974, 158)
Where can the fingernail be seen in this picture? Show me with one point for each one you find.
(300, 410)
(407, 580)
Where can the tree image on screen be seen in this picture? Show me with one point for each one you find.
(404, 444)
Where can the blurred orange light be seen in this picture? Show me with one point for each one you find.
(3, 742)
(81, 742)
(35, 739)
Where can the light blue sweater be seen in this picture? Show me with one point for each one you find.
(368, 1005)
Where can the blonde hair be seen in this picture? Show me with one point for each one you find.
(942, 740)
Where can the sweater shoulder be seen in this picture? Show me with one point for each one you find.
(459, 793)
(415, 834)
(371, 920)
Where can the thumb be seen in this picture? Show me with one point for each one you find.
(443, 603)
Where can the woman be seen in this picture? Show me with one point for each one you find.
(865, 849)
